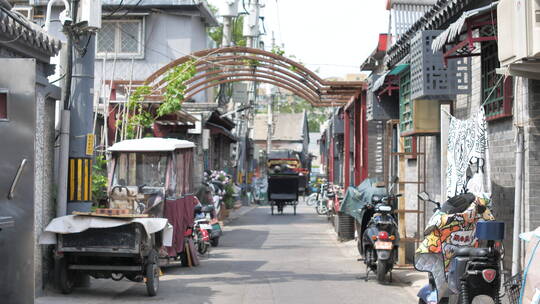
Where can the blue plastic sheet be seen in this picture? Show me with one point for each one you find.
(357, 197)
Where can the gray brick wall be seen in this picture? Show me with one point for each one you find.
(532, 157)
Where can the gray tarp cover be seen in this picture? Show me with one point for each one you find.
(357, 197)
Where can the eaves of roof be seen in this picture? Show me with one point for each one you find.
(26, 36)
(443, 12)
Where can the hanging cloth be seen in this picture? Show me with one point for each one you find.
(467, 149)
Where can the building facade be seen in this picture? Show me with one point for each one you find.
(27, 117)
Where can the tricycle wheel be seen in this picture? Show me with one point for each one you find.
(64, 276)
(294, 208)
(272, 208)
(183, 258)
(152, 274)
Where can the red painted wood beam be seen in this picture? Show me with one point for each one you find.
(364, 136)
(357, 141)
(346, 151)
(331, 160)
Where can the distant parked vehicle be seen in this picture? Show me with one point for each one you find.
(322, 197)
(283, 179)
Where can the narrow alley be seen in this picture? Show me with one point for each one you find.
(262, 259)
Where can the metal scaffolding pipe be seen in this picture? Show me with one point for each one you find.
(518, 200)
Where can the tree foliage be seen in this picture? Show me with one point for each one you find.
(99, 179)
(142, 117)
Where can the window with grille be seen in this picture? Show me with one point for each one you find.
(409, 146)
(497, 90)
(121, 38)
(405, 102)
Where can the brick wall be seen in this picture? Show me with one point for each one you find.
(532, 157)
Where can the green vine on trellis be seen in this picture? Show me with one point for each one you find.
(174, 95)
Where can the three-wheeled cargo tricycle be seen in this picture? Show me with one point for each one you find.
(150, 206)
(283, 180)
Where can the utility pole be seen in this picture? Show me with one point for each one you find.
(270, 112)
(251, 32)
(270, 125)
(77, 138)
(229, 10)
(76, 132)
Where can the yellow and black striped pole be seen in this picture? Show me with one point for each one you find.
(80, 180)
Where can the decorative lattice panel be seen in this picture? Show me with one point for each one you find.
(430, 79)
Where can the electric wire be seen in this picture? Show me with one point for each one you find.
(58, 79)
(129, 10)
(117, 9)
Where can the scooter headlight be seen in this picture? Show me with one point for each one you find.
(385, 208)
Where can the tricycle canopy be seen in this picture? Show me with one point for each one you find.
(145, 172)
(151, 144)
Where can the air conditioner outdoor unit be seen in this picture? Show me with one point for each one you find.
(518, 26)
(89, 14)
(228, 8)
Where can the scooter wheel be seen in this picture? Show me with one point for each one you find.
(382, 269)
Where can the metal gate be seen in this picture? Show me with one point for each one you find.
(17, 135)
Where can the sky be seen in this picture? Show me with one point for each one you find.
(333, 37)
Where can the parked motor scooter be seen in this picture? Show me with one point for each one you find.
(459, 272)
(320, 198)
(201, 230)
(379, 239)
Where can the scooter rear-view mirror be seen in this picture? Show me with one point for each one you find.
(424, 196)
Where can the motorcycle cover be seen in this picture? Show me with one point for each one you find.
(444, 234)
(357, 197)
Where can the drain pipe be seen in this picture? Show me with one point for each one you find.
(61, 196)
(518, 200)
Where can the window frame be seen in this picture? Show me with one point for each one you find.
(5, 92)
(141, 20)
(503, 95)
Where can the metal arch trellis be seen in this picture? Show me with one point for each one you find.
(232, 64)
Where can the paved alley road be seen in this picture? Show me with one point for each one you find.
(261, 259)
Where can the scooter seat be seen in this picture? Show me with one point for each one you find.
(470, 251)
